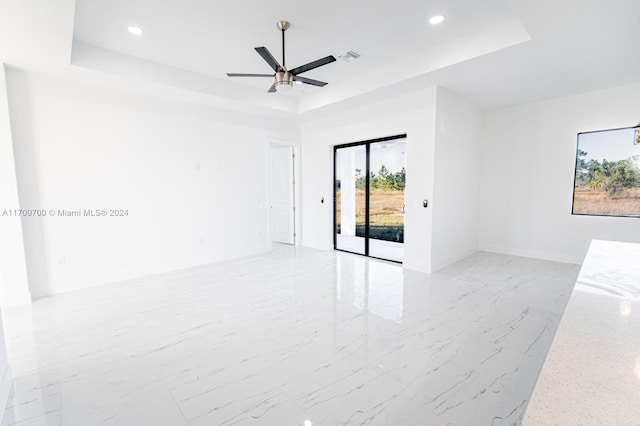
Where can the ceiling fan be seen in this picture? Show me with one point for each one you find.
(284, 78)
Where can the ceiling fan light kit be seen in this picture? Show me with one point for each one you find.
(284, 81)
(284, 78)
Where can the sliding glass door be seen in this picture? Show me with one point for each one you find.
(386, 195)
(369, 182)
(350, 170)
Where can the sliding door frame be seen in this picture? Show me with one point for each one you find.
(367, 144)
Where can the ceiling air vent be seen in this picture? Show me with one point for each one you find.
(349, 56)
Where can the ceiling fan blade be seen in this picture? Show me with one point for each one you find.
(235, 74)
(268, 57)
(312, 65)
(272, 89)
(309, 81)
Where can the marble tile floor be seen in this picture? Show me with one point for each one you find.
(380, 249)
(292, 337)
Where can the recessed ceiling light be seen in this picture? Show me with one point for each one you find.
(135, 30)
(436, 19)
(625, 309)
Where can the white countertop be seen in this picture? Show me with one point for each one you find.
(592, 373)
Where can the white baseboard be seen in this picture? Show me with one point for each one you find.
(5, 390)
(128, 275)
(554, 257)
(440, 264)
(323, 247)
(11, 300)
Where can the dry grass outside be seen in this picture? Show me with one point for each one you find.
(386, 207)
(593, 202)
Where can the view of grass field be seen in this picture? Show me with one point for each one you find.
(597, 202)
(386, 221)
(607, 180)
(383, 178)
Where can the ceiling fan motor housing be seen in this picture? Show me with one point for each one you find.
(284, 80)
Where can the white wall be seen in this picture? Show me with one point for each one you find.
(456, 186)
(192, 178)
(528, 160)
(6, 378)
(15, 288)
(413, 114)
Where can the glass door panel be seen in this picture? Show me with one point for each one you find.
(350, 198)
(386, 199)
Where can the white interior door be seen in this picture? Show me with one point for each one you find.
(281, 180)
